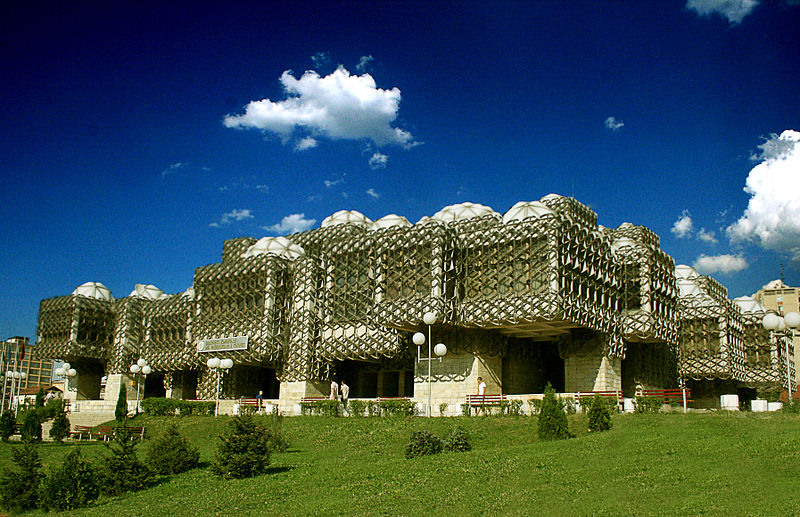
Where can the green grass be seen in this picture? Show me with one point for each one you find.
(664, 464)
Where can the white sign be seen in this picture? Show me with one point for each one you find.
(222, 344)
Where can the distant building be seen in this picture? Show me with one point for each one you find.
(777, 296)
(38, 370)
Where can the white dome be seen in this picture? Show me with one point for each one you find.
(189, 293)
(775, 284)
(684, 271)
(463, 211)
(550, 197)
(388, 221)
(525, 210)
(748, 304)
(426, 219)
(278, 246)
(148, 292)
(346, 217)
(94, 290)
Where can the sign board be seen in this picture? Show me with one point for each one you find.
(222, 344)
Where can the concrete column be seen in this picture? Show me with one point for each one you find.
(592, 371)
(292, 391)
(454, 378)
(113, 382)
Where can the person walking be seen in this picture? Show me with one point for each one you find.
(334, 390)
(344, 389)
(481, 394)
(260, 400)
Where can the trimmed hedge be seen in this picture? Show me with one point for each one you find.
(156, 406)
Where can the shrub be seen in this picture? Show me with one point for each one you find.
(443, 409)
(7, 423)
(536, 406)
(40, 397)
(357, 407)
(123, 471)
(326, 407)
(465, 409)
(244, 451)
(73, 484)
(397, 407)
(512, 407)
(647, 404)
(373, 409)
(791, 406)
(19, 489)
(171, 452)
(121, 411)
(31, 427)
(159, 406)
(552, 418)
(599, 414)
(457, 441)
(60, 428)
(423, 443)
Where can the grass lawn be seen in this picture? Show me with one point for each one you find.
(662, 464)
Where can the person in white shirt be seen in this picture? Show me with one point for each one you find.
(481, 393)
(344, 389)
(334, 390)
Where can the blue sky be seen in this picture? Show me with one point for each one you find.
(138, 138)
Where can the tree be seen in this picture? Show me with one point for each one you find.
(31, 427)
(19, 489)
(552, 418)
(244, 451)
(60, 427)
(7, 423)
(121, 411)
(40, 398)
(171, 452)
(71, 485)
(123, 471)
(599, 415)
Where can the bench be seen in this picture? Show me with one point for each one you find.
(483, 401)
(258, 404)
(581, 396)
(669, 395)
(312, 399)
(80, 430)
(104, 432)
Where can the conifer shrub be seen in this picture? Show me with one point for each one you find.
(71, 485)
(60, 428)
(457, 440)
(123, 472)
(643, 404)
(171, 452)
(244, 451)
(7, 423)
(599, 415)
(31, 427)
(423, 443)
(19, 488)
(121, 411)
(40, 397)
(553, 423)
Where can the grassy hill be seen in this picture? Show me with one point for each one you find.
(663, 464)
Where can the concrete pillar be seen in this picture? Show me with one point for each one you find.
(113, 382)
(591, 371)
(454, 378)
(292, 391)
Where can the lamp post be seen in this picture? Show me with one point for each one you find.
(18, 377)
(785, 325)
(440, 350)
(215, 363)
(140, 367)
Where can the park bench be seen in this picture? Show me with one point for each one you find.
(669, 395)
(80, 431)
(312, 399)
(484, 401)
(392, 398)
(608, 394)
(254, 403)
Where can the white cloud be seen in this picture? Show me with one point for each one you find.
(262, 188)
(706, 236)
(303, 144)
(378, 161)
(682, 228)
(371, 192)
(292, 223)
(772, 216)
(237, 214)
(707, 265)
(321, 59)
(338, 106)
(363, 62)
(733, 10)
(333, 183)
(173, 168)
(613, 124)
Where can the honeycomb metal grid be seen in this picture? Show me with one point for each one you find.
(91, 325)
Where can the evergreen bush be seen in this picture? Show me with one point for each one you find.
(643, 404)
(71, 485)
(423, 443)
(121, 411)
(123, 472)
(244, 451)
(552, 418)
(357, 407)
(397, 407)
(171, 452)
(7, 424)
(60, 428)
(19, 489)
(40, 397)
(31, 427)
(457, 441)
(599, 414)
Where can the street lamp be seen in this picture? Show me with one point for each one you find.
(786, 325)
(440, 350)
(215, 363)
(140, 367)
(18, 377)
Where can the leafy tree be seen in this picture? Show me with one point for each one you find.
(599, 415)
(423, 443)
(71, 485)
(7, 423)
(31, 427)
(19, 488)
(552, 418)
(171, 452)
(123, 471)
(244, 451)
(121, 411)
(60, 427)
(40, 398)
